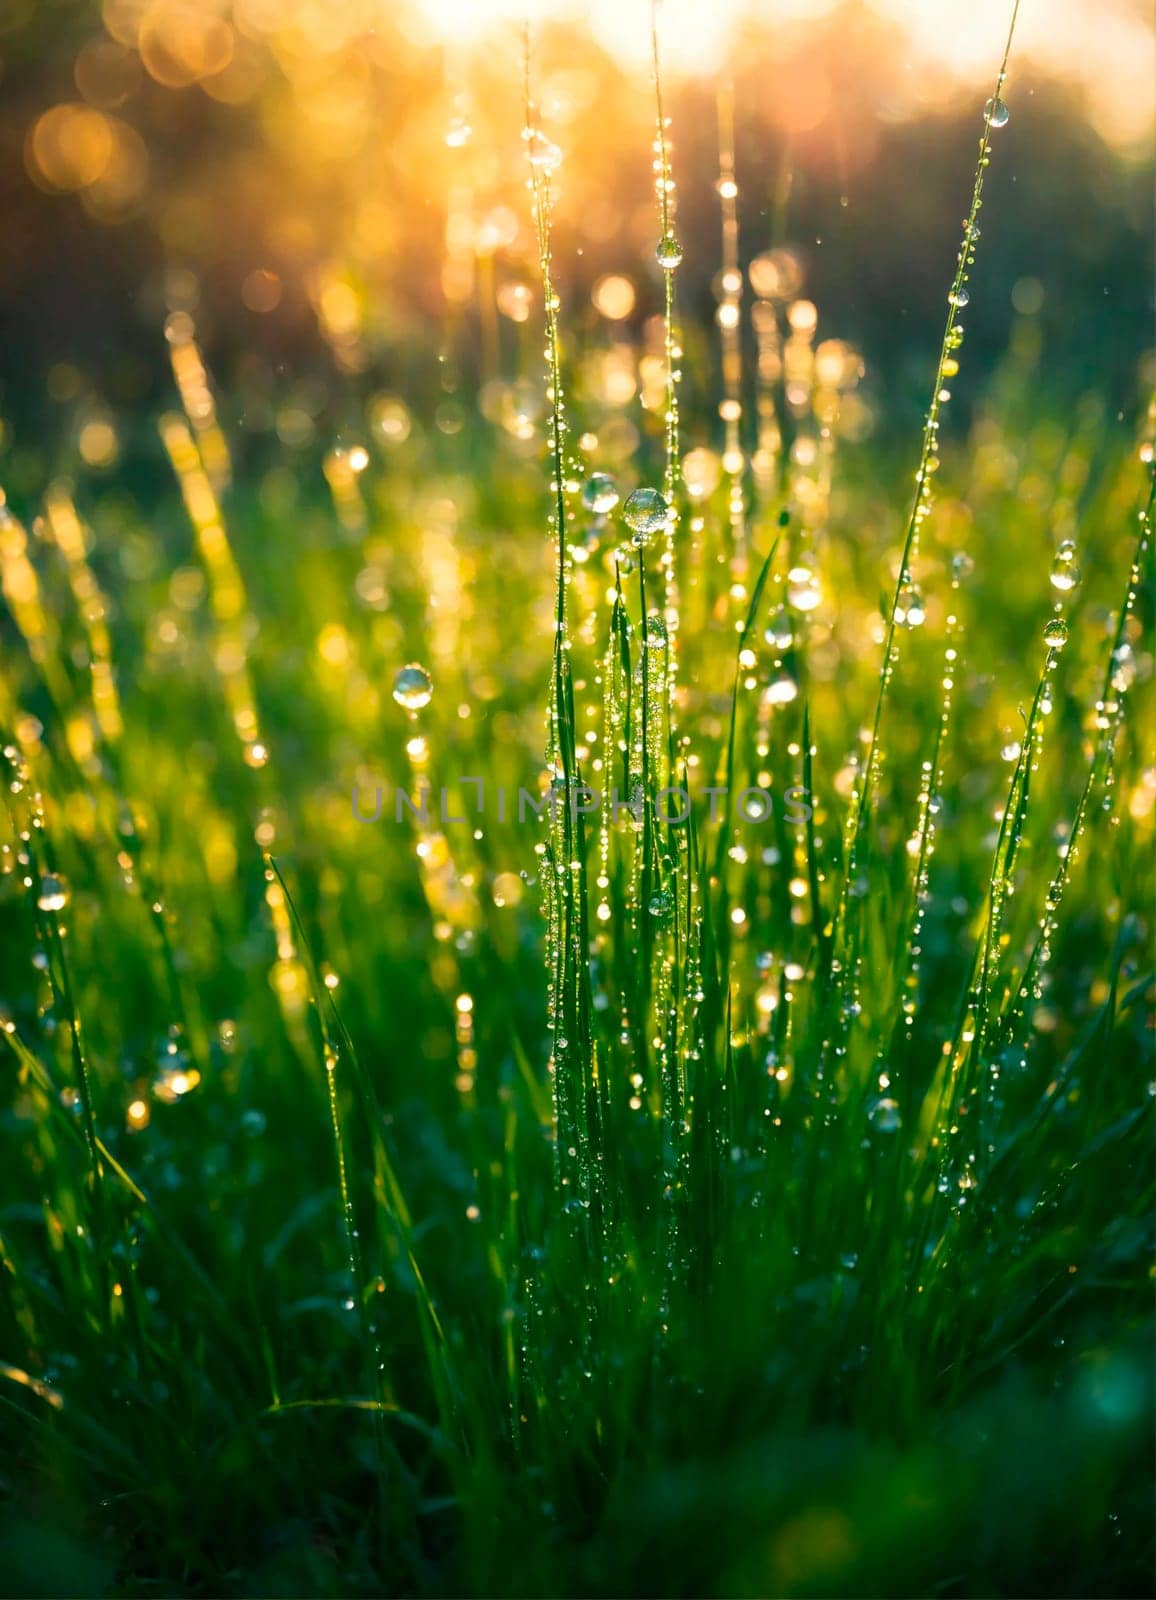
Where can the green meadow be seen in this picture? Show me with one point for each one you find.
(576, 869)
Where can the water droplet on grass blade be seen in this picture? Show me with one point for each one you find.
(995, 113)
(1123, 668)
(1065, 569)
(668, 252)
(645, 513)
(1056, 633)
(544, 153)
(54, 892)
(910, 611)
(413, 687)
(959, 297)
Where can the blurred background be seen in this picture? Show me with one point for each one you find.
(335, 192)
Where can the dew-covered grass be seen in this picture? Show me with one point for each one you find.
(420, 1177)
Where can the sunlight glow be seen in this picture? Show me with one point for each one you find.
(1106, 49)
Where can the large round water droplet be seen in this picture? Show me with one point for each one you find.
(995, 114)
(1056, 633)
(668, 252)
(645, 512)
(885, 1116)
(600, 493)
(54, 892)
(959, 297)
(660, 903)
(1065, 568)
(413, 687)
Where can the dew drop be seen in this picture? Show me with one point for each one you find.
(1056, 633)
(959, 297)
(54, 892)
(600, 494)
(655, 633)
(645, 512)
(1065, 569)
(910, 611)
(1123, 668)
(544, 154)
(413, 687)
(668, 252)
(995, 113)
(885, 1115)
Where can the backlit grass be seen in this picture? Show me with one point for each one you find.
(407, 1189)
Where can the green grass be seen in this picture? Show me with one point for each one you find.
(665, 1205)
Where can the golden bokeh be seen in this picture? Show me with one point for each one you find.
(76, 148)
(614, 296)
(183, 41)
(70, 147)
